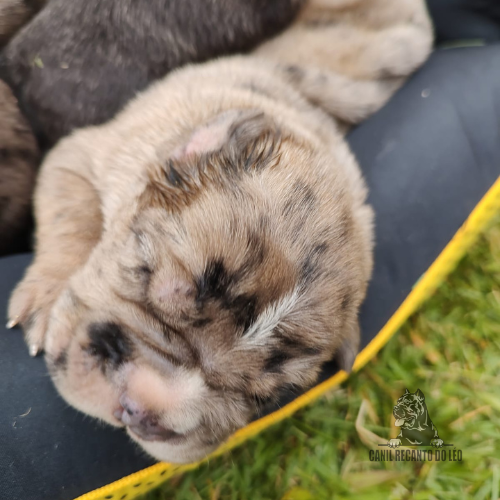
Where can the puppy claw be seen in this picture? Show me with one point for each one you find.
(30, 306)
(12, 323)
(34, 350)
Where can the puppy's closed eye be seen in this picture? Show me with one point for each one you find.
(108, 343)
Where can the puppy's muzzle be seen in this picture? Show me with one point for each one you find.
(399, 412)
(142, 423)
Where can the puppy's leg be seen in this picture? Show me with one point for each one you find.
(349, 100)
(69, 222)
(373, 15)
(368, 39)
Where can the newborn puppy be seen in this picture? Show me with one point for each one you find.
(19, 158)
(80, 61)
(215, 245)
(15, 13)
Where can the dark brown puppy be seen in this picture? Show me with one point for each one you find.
(14, 14)
(19, 158)
(79, 61)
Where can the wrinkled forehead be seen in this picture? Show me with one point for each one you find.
(218, 217)
(187, 323)
(213, 255)
(407, 399)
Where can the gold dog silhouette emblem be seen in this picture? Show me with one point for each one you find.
(413, 419)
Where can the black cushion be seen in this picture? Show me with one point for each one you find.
(465, 19)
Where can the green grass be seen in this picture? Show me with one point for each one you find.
(450, 350)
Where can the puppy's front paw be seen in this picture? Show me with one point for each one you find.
(437, 443)
(394, 443)
(30, 306)
(405, 49)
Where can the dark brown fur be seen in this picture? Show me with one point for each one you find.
(14, 14)
(80, 61)
(19, 158)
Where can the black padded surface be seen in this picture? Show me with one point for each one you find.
(428, 162)
(465, 19)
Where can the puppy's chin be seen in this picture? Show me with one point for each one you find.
(183, 451)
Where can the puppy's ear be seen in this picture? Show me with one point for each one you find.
(234, 142)
(406, 392)
(247, 125)
(420, 395)
(347, 352)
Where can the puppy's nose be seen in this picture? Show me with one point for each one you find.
(132, 413)
(141, 422)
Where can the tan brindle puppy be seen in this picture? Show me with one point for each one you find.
(210, 247)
